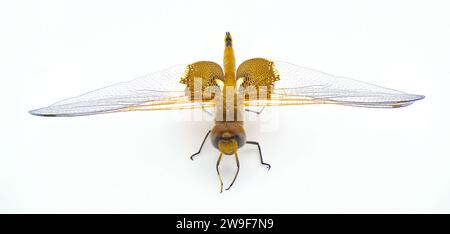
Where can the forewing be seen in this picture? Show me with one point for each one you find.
(299, 85)
(159, 90)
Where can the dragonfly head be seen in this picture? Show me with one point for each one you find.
(228, 39)
(227, 137)
(228, 145)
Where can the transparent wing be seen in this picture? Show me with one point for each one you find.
(156, 91)
(299, 85)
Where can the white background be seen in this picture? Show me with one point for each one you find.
(324, 158)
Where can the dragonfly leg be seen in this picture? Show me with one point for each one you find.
(237, 172)
(260, 154)
(201, 146)
(256, 112)
(209, 113)
(218, 172)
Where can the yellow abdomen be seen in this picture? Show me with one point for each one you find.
(231, 109)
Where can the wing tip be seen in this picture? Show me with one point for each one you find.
(39, 112)
(419, 97)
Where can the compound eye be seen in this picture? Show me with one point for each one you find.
(227, 136)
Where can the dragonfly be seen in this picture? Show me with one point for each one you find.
(229, 91)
